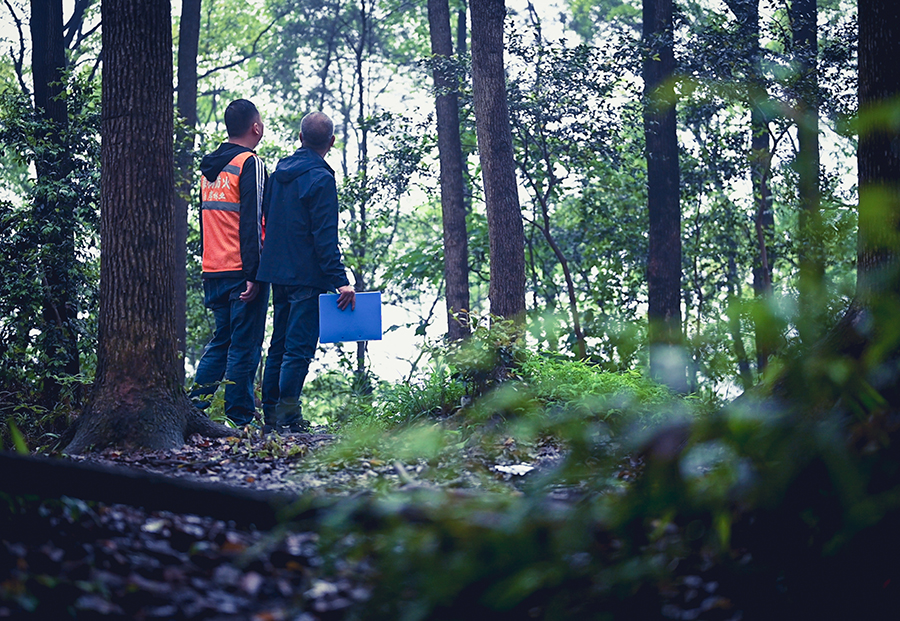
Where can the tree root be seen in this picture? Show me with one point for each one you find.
(154, 419)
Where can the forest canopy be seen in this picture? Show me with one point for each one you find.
(575, 109)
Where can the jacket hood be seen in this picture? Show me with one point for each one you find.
(301, 161)
(213, 163)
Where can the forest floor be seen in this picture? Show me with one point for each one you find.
(72, 559)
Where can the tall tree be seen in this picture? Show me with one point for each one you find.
(747, 14)
(804, 31)
(186, 103)
(137, 396)
(453, 204)
(50, 101)
(495, 148)
(878, 157)
(667, 361)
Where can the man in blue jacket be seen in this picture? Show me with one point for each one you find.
(301, 259)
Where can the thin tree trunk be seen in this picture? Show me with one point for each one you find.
(764, 225)
(504, 217)
(462, 40)
(138, 399)
(48, 67)
(453, 205)
(803, 15)
(188, 44)
(734, 325)
(462, 37)
(667, 361)
(580, 343)
(365, 18)
(747, 13)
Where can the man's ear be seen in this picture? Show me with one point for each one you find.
(331, 144)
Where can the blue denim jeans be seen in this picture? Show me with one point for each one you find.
(295, 334)
(234, 351)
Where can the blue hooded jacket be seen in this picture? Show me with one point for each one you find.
(301, 211)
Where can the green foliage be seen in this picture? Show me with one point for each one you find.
(378, 233)
(18, 440)
(586, 15)
(433, 553)
(571, 384)
(580, 155)
(487, 401)
(34, 347)
(435, 395)
(762, 501)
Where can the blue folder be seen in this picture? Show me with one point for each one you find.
(362, 324)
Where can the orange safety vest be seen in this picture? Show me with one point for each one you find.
(221, 205)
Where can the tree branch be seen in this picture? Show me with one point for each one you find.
(253, 51)
(19, 62)
(75, 22)
(84, 35)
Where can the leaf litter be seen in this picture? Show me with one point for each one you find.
(73, 559)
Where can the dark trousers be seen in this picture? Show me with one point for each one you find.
(234, 351)
(295, 334)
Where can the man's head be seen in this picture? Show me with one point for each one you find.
(317, 132)
(243, 123)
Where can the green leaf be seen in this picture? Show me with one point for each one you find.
(17, 438)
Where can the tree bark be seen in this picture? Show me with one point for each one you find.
(462, 37)
(667, 362)
(803, 15)
(877, 157)
(188, 44)
(505, 230)
(734, 325)
(138, 399)
(49, 79)
(453, 205)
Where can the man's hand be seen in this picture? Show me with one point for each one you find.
(250, 292)
(347, 297)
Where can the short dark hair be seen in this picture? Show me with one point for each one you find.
(317, 130)
(239, 117)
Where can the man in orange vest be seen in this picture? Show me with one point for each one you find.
(231, 228)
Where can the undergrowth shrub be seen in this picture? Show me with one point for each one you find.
(752, 512)
(47, 252)
(660, 506)
(537, 409)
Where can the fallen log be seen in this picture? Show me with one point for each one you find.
(57, 477)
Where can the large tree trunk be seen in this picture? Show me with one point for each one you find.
(803, 15)
(138, 399)
(505, 230)
(878, 157)
(188, 43)
(48, 66)
(453, 205)
(667, 361)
